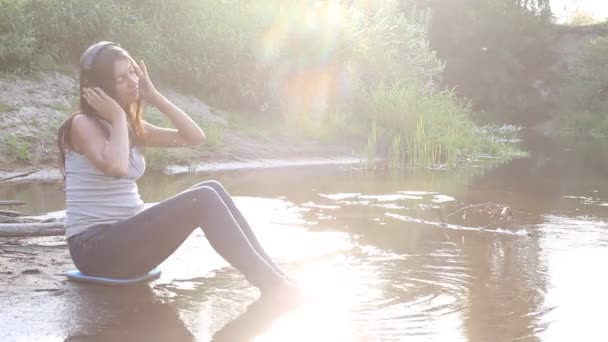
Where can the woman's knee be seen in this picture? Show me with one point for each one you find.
(207, 198)
(200, 202)
(205, 194)
(217, 186)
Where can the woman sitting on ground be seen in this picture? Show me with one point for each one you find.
(109, 232)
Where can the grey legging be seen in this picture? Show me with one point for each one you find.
(136, 245)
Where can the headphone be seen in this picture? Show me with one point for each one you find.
(87, 59)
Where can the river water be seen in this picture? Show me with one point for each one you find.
(512, 252)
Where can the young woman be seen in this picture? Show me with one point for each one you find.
(108, 232)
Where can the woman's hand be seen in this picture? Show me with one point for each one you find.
(147, 91)
(103, 104)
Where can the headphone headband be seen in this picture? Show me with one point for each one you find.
(88, 57)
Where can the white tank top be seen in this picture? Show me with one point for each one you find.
(93, 198)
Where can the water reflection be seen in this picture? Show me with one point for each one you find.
(140, 313)
(40, 197)
(133, 313)
(256, 320)
(390, 257)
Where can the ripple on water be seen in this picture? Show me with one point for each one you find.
(519, 232)
(412, 296)
(366, 294)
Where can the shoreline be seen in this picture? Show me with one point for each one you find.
(53, 174)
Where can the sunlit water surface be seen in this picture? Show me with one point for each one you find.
(511, 253)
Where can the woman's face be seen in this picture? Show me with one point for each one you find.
(126, 82)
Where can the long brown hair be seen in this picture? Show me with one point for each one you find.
(101, 75)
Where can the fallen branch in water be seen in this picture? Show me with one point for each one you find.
(12, 251)
(17, 257)
(18, 175)
(8, 219)
(11, 213)
(465, 208)
(492, 211)
(32, 229)
(11, 203)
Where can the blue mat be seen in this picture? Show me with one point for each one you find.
(76, 275)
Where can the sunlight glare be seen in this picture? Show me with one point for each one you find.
(301, 50)
(335, 289)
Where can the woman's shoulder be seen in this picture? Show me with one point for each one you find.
(83, 119)
(85, 125)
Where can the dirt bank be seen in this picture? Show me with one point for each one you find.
(32, 107)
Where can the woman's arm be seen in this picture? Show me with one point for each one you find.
(110, 154)
(186, 131)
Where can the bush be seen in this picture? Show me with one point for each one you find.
(344, 66)
(584, 99)
(494, 52)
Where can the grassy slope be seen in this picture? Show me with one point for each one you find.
(32, 107)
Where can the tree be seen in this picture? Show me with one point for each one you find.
(581, 18)
(494, 51)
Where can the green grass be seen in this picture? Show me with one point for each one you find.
(48, 132)
(67, 70)
(59, 106)
(10, 76)
(18, 148)
(5, 107)
(252, 125)
(214, 133)
(372, 147)
(158, 158)
(412, 126)
(32, 76)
